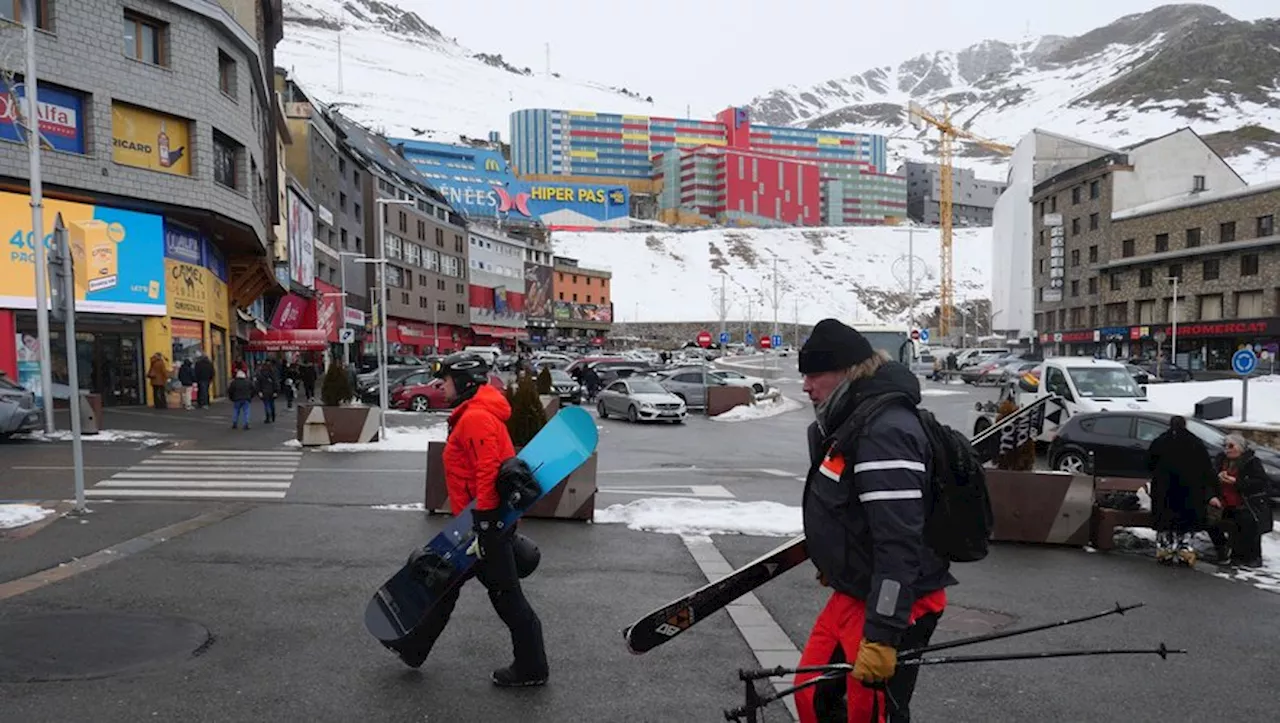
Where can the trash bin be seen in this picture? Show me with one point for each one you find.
(1214, 408)
(90, 413)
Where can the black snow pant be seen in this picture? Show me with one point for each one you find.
(1239, 530)
(497, 572)
(202, 393)
(829, 699)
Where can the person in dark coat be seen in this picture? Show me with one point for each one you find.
(1246, 515)
(265, 386)
(187, 378)
(865, 502)
(289, 382)
(1182, 486)
(308, 376)
(240, 392)
(204, 377)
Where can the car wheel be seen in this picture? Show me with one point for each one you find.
(420, 404)
(757, 388)
(1073, 461)
(600, 410)
(981, 425)
(632, 415)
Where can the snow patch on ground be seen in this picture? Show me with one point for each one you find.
(760, 410)
(930, 392)
(146, 439)
(1181, 398)
(1266, 577)
(398, 439)
(13, 516)
(403, 507)
(686, 516)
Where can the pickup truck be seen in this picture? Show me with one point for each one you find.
(1081, 383)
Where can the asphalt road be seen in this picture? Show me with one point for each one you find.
(282, 585)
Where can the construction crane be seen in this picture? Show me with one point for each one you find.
(922, 119)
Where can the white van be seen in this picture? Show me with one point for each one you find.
(490, 353)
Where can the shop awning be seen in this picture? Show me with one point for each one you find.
(288, 340)
(499, 332)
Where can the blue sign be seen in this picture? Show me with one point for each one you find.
(61, 115)
(479, 183)
(751, 338)
(214, 260)
(182, 244)
(777, 341)
(724, 337)
(924, 336)
(1244, 362)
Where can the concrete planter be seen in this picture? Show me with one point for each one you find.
(572, 499)
(1042, 507)
(319, 425)
(722, 399)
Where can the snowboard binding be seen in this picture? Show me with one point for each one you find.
(517, 485)
(432, 569)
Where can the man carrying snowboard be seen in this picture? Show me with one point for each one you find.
(477, 446)
(866, 500)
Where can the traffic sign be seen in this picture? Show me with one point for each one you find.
(704, 339)
(924, 335)
(1243, 362)
(766, 342)
(777, 340)
(751, 338)
(347, 335)
(724, 337)
(915, 335)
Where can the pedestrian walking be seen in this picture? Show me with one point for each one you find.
(265, 386)
(158, 376)
(1182, 488)
(477, 448)
(240, 392)
(186, 378)
(289, 375)
(1246, 514)
(864, 508)
(591, 381)
(204, 377)
(308, 375)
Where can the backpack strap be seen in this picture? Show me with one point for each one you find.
(855, 426)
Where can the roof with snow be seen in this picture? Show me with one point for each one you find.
(1188, 200)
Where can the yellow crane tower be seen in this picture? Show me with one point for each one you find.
(922, 119)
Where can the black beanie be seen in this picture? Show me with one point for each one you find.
(833, 346)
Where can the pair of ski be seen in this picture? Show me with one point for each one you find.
(677, 616)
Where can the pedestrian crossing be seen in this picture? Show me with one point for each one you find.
(204, 474)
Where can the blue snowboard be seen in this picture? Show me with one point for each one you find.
(400, 615)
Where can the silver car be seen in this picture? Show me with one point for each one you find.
(690, 384)
(640, 399)
(735, 379)
(18, 412)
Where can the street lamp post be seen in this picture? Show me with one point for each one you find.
(381, 261)
(1173, 349)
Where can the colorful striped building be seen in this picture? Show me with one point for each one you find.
(855, 185)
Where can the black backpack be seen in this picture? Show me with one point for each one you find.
(959, 522)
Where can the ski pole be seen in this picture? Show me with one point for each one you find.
(1162, 651)
(757, 701)
(917, 652)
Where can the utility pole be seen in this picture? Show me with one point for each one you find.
(776, 298)
(341, 19)
(797, 325)
(548, 60)
(37, 219)
(1173, 350)
(724, 307)
(911, 275)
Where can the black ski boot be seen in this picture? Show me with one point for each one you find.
(509, 677)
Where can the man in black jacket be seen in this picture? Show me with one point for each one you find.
(865, 503)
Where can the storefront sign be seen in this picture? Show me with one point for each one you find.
(301, 232)
(1252, 327)
(147, 139)
(274, 340)
(214, 260)
(289, 312)
(568, 311)
(326, 309)
(1075, 337)
(60, 111)
(1114, 333)
(183, 244)
(353, 317)
(188, 290)
(119, 256)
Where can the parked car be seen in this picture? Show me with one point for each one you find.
(1119, 442)
(925, 366)
(1165, 372)
(736, 379)
(1139, 375)
(690, 384)
(640, 399)
(18, 411)
(565, 387)
(367, 384)
(422, 393)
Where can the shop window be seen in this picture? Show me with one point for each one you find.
(1126, 248)
(1162, 242)
(145, 38)
(226, 74)
(1226, 232)
(1249, 265)
(1193, 238)
(1209, 270)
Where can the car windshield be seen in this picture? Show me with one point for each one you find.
(1104, 382)
(646, 387)
(1207, 434)
(896, 343)
(559, 375)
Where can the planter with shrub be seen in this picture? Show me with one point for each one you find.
(338, 418)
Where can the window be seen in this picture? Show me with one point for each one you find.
(1075, 195)
(1148, 430)
(1211, 307)
(1210, 269)
(1075, 227)
(1147, 312)
(225, 157)
(575, 297)
(404, 298)
(462, 308)
(1093, 222)
(226, 74)
(440, 237)
(1042, 237)
(355, 212)
(12, 10)
(1093, 314)
(441, 306)
(1249, 265)
(1042, 266)
(1126, 248)
(1226, 232)
(1175, 271)
(1266, 225)
(1144, 278)
(1162, 242)
(1095, 189)
(1093, 254)
(1075, 257)
(1093, 285)
(1075, 287)
(1115, 282)
(144, 38)
(1248, 304)
(1117, 313)
(343, 233)
(404, 222)
(1053, 204)
(422, 230)
(1197, 183)
(1193, 237)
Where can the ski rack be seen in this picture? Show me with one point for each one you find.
(754, 701)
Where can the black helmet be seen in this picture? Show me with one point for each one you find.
(469, 372)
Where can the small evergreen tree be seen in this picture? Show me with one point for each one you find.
(544, 381)
(527, 415)
(336, 387)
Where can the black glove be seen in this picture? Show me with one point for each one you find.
(516, 484)
(488, 528)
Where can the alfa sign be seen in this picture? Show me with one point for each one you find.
(60, 113)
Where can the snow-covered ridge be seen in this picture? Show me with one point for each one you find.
(857, 273)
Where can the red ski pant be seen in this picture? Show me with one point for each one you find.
(835, 638)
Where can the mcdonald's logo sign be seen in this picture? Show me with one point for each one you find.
(491, 165)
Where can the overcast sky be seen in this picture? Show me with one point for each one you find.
(712, 53)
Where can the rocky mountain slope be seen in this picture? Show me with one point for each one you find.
(1136, 78)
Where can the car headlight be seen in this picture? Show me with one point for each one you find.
(646, 405)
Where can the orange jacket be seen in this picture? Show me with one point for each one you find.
(478, 444)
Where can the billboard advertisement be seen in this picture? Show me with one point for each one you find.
(118, 256)
(479, 183)
(597, 313)
(302, 250)
(537, 291)
(61, 114)
(146, 139)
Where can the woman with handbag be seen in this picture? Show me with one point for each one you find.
(1246, 516)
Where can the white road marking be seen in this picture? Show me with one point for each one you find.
(191, 484)
(237, 452)
(220, 474)
(152, 473)
(220, 494)
(708, 491)
(777, 472)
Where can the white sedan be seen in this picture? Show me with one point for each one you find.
(640, 399)
(734, 379)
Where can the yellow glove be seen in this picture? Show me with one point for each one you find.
(876, 662)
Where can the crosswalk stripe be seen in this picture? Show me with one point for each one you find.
(193, 484)
(236, 452)
(211, 474)
(233, 475)
(220, 494)
(189, 462)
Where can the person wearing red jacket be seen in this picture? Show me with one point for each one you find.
(477, 447)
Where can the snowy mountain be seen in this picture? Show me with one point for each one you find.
(1139, 77)
(857, 273)
(390, 70)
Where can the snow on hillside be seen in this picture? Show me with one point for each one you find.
(857, 273)
(402, 77)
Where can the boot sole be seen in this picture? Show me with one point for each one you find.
(520, 684)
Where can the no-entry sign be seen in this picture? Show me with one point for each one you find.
(704, 339)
